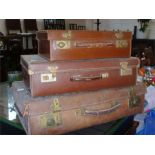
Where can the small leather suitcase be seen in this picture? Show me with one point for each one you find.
(76, 45)
(46, 78)
(64, 113)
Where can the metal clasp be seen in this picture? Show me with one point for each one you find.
(49, 77)
(125, 69)
(56, 105)
(134, 100)
(50, 120)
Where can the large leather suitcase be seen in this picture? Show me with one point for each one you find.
(46, 78)
(61, 114)
(75, 45)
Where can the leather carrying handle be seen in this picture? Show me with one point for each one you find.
(85, 78)
(94, 44)
(103, 111)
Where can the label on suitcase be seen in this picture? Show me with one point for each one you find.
(75, 45)
(60, 114)
(46, 78)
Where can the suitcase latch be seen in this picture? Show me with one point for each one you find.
(121, 43)
(125, 69)
(56, 105)
(134, 100)
(50, 120)
(63, 44)
(49, 77)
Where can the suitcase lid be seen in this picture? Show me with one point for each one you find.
(29, 106)
(36, 64)
(82, 34)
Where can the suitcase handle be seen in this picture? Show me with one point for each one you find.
(85, 78)
(103, 111)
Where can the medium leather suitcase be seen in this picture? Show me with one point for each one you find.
(46, 78)
(64, 113)
(76, 45)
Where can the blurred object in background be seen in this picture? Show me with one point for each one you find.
(148, 75)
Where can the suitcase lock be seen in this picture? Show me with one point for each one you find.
(54, 118)
(50, 120)
(49, 77)
(125, 69)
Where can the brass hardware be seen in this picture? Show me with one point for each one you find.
(48, 78)
(63, 44)
(134, 100)
(119, 35)
(50, 120)
(125, 69)
(30, 72)
(52, 69)
(113, 107)
(26, 110)
(104, 75)
(124, 65)
(56, 105)
(67, 35)
(80, 112)
(121, 43)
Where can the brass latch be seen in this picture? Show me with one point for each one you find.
(134, 100)
(55, 105)
(54, 118)
(49, 77)
(121, 43)
(50, 120)
(63, 44)
(125, 69)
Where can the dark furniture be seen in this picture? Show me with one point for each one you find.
(3, 69)
(145, 50)
(30, 26)
(54, 24)
(13, 40)
(13, 26)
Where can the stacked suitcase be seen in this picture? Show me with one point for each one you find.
(77, 80)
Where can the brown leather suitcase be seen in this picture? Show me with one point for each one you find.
(76, 45)
(46, 78)
(63, 113)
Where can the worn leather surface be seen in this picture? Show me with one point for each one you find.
(72, 108)
(84, 44)
(66, 70)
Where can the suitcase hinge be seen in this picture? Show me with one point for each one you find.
(67, 35)
(125, 69)
(119, 35)
(134, 100)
